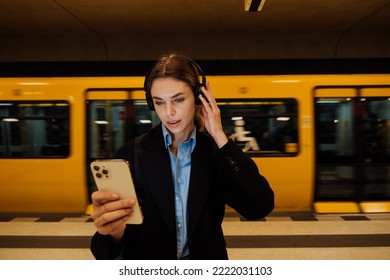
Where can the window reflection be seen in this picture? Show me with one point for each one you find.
(353, 148)
(113, 122)
(262, 127)
(335, 127)
(34, 129)
(376, 132)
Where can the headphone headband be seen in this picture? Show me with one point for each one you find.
(200, 71)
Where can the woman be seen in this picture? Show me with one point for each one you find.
(183, 176)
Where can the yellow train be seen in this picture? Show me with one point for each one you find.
(323, 141)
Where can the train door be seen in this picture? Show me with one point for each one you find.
(352, 149)
(113, 118)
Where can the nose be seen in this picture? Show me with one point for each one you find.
(170, 109)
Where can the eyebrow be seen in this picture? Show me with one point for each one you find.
(172, 97)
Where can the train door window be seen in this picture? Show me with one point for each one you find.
(375, 130)
(34, 129)
(113, 119)
(113, 122)
(262, 127)
(352, 144)
(375, 147)
(336, 149)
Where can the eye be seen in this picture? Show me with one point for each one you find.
(179, 100)
(158, 102)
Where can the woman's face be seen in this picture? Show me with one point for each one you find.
(174, 103)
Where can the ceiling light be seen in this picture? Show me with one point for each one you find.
(145, 121)
(254, 5)
(10, 120)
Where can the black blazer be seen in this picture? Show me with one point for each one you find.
(218, 177)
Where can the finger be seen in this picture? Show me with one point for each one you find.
(210, 97)
(112, 206)
(113, 226)
(111, 217)
(209, 109)
(204, 101)
(207, 92)
(102, 197)
(119, 204)
(208, 87)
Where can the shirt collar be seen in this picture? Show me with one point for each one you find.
(168, 138)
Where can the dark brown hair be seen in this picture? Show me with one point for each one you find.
(173, 65)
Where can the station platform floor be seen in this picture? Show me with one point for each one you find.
(280, 236)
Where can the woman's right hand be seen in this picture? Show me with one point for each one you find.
(111, 213)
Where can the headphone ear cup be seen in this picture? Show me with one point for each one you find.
(149, 100)
(198, 91)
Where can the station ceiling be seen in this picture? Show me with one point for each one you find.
(127, 30)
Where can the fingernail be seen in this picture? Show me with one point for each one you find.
(115, 196)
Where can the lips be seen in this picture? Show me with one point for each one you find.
(173, 124)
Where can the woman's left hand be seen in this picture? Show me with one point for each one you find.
(212, 116)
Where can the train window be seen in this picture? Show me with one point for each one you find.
(262, 127)
(335, 127)
(336, 148)
(375, 147)
(113, 122)
(34, 129)
(375, 129)
(352, 148)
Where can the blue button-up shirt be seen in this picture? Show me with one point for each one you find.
(181, 169)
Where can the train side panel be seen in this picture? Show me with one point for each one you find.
(291, 177)
(44, 183)
(53, 183)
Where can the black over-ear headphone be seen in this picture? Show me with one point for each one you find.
(197, 89)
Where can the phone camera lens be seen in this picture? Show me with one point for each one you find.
(105, 172)
(98, 175)
(96, 168)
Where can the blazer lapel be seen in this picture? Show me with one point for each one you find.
(201, 172)
(156, 161)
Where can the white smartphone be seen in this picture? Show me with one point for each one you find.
(114, 175)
